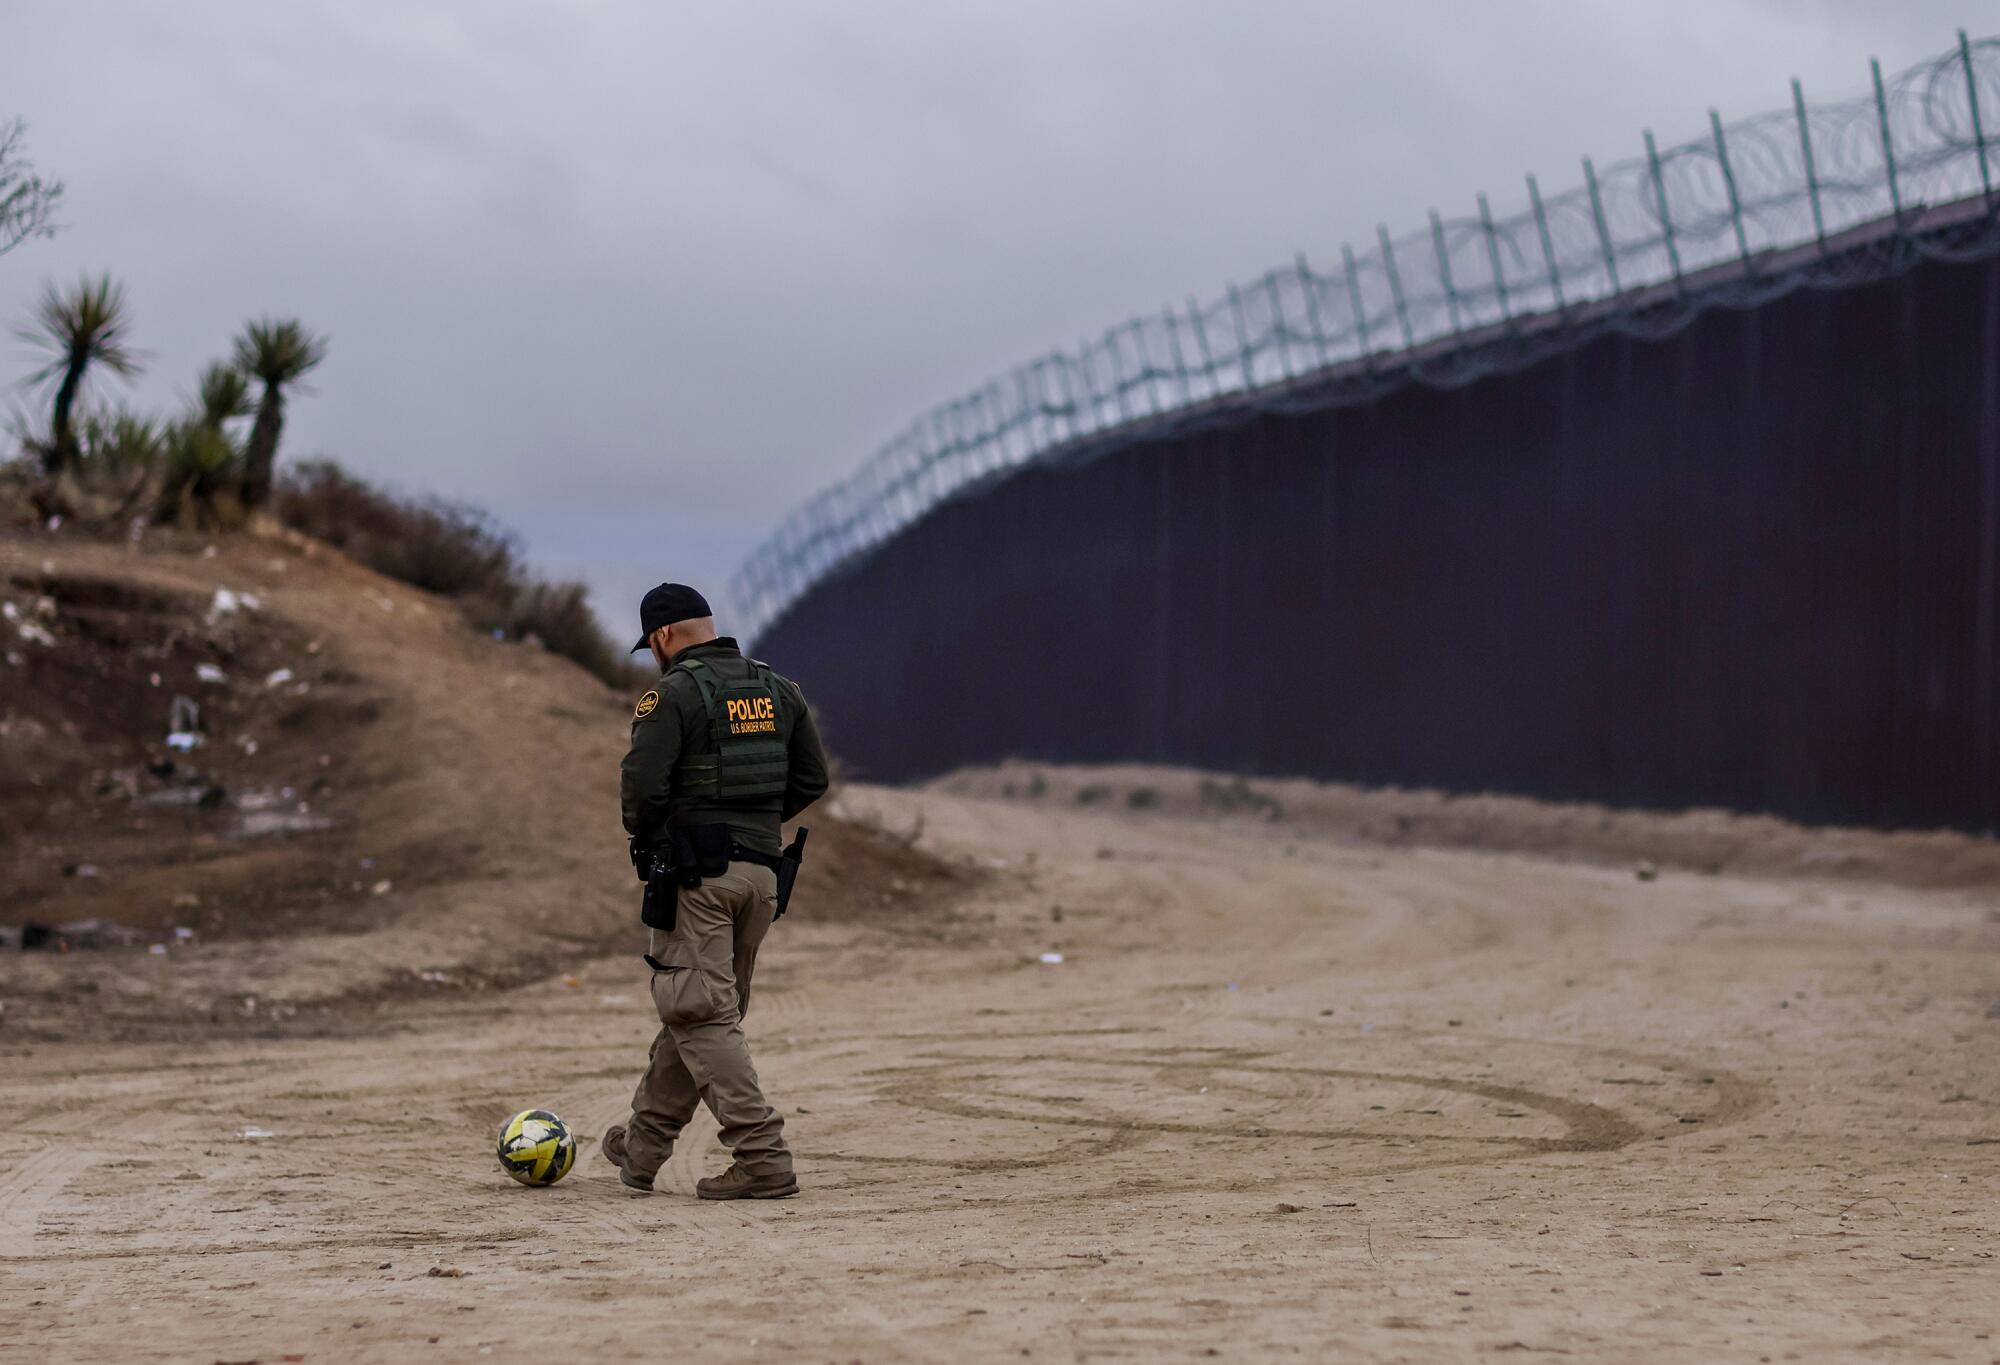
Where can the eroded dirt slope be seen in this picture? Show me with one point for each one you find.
(382, 802)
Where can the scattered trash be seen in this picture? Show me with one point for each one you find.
(34, 634)
(572, 981)
(247, 745)
(278, 677)
(79, 869)
(383, 887)
(183, 725)
(158, 950)
(1645, 871)
(227, 603)
(251, 1130)
(434, 978)
(1052, 959)
(209, 673)
(16, 660)
(183, 934)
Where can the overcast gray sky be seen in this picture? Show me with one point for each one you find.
(637, 277)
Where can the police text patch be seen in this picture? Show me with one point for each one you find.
(751, 716)
(646, 705)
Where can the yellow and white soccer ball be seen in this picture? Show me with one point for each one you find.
(536, 1147)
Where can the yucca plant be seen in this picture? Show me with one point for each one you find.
(278, 353)
(79, 328)
(203, 469)
(222, 396)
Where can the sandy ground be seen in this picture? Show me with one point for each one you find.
(1286, 1096)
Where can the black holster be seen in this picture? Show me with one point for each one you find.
(789, 863)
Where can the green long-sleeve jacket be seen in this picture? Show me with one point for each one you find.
(671, 721)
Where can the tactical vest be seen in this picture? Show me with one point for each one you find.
(746, 720)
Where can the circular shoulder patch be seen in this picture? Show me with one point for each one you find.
(646, 705)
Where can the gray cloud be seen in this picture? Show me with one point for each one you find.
(639, 277)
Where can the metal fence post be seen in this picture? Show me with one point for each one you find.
(1360, 309)
(1888, 143)
(1180, 360)
(1396, 285)
(1812, 172)
(1090, 384)
(1110, 343)
(1278, 329)
(1030, 404)
(1548, 244)
(1603, 227)
(1207, 356)
(1311, 292)
(1729, 182)
(1978, 132)
(1666, 216)
(1152, 375)
(1246, 359)
(1493, 255)
(1069, 396)
(1043, 409)
(1444, 270)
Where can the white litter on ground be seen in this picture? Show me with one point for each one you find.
(1052, 958)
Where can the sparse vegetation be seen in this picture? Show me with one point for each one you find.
(1237, 796)
(1092, 794)
(1142, 798)
(452, 549)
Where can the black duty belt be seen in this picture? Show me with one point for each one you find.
(740, 854)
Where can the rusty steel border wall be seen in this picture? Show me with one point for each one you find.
(1747, 562)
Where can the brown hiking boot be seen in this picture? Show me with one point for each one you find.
(614, 1152)
(737, 1183)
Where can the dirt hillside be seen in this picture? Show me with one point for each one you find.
(379, 801)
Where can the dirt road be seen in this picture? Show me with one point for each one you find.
(1283, 1097)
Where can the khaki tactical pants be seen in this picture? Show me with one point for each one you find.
(701, 1053)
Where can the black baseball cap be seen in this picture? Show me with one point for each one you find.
(665, 605)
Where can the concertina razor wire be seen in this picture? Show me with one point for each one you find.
(1818, 195)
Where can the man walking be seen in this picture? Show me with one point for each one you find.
(723, 752)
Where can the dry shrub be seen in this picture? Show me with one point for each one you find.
(452, 549)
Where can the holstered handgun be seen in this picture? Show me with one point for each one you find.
(789, 863)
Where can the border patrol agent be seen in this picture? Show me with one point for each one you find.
(723, 752)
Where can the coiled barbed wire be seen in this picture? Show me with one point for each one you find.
(1816, 195)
